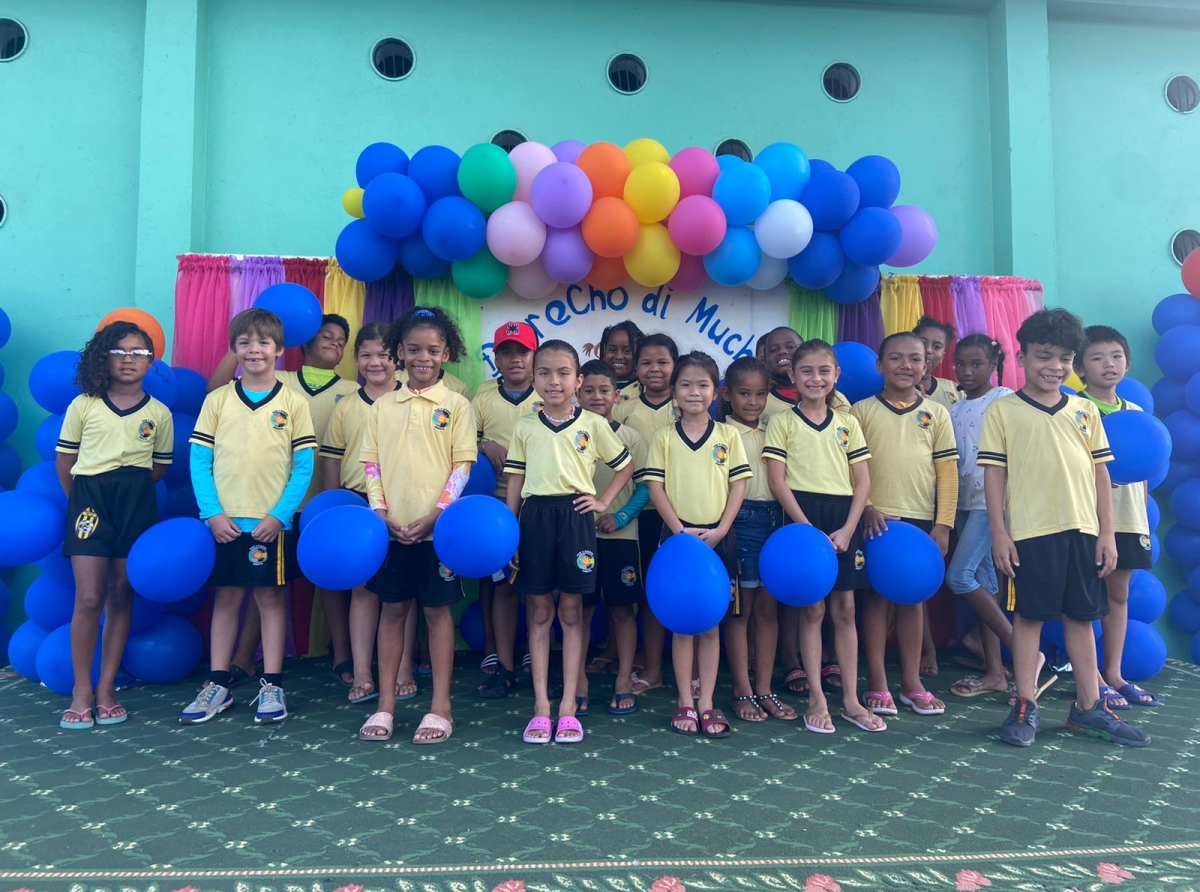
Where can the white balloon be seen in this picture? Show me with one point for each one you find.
(784, 229)
(531, 281)
(771, 271)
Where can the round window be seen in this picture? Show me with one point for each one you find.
(13, 38)
(734, 147)
(841, 81)
(626, 73)
(1182, 94)
(393, 59)
(1183, 243)
(508, 139)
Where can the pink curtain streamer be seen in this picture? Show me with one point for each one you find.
(201, 312)
(1006, 306)
(937, 299)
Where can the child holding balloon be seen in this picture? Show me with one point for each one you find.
(550, 463)
(816, 461)
(697, 471)
(914, 478)
(115, 444)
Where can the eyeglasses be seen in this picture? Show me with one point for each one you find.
(140, 353)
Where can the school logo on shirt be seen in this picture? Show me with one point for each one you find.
(860, 560)
(581, 444)
(441, 418)
(629, 576)
(279, 419)
(1144, 541)
(145, 429)
(924, 419)
(86, 523)
(676, 413)
(585, 561)
(843, 435)
(446, 573)
(1081, 421)
(338, 398)
(622, 397)
(257, 555)
(720, 453)
(538, 405)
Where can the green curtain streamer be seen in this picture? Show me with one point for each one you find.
(467, 312)
(812, 314)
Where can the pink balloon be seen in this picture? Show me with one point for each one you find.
(561, 195)
(530, 281)
(691, 275)
(697, 225)
(515, 235)
(697, 170)
(566, 257)
(919, 235)
(529, 159)
(567, 150)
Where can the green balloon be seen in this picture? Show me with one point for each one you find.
(487, 177)
(481, 277)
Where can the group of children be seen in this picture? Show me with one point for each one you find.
(601, 462)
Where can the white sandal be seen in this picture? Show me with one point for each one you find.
(433, 722)
(382, 720)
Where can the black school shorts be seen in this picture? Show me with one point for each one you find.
(1058, 577)
(620, 580)
(414, 571)
(107, 512)
(245, 562)
(1133, 552)
(557, 549)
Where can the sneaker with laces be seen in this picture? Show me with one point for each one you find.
(1102, 722)
(272, 705)
(212, 700)
(1020, 728)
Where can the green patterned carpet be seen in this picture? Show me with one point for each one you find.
(933, 803)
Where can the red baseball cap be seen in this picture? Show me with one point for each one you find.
(521, 332)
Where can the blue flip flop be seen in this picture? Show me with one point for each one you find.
(581, 707)
(1137, 696)
(624, 710)
(1108, 694)
(85, 720)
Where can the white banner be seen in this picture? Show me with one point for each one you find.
(725, 323)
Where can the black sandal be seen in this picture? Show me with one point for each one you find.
(500, 685)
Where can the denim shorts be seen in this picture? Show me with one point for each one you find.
(755, 521)
(971, 565)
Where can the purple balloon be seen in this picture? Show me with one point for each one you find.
(561, 195)
(566, 257)
(919, 235)
(568, 150)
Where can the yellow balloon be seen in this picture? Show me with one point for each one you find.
(352, 202)
(652, 190)
(643, 151)
(1074, 382)
(654, 259)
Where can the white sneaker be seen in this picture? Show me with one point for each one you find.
(272, 705)
(212, 700)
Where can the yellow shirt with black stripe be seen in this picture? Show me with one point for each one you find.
(558, 460)
(1129, 499)
(417, 439)
(455, 383)
(777, 402)
(646, 417)
(253, 444)
(631, 390)
(322, 400)
(753, 441)
(817, 456)
(495, 414)
(696, 475)
(905, 444)
(1050, 454)
(944, 392)
(107, 438)
(602, 476)
(343, 438)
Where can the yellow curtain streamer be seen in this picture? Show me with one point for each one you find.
(900, 302)
(467, 312)
(345, 297)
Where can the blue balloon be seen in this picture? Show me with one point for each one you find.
(160, 383)
(743, 192)
(1052, 633)
(1191, 391)
(42, 479)
(421, 262)
(454, 229)
(1175, 310)
(46, 438)
(54, 666)
(323, 501)
(736, 259)
(171, 560)
(191, 389)
(904, 564)
(9, 417)
(1145, 652)
(394, 205)
(1169, 396)
(476, 536)
(1176, 351)
(1193, 583)
(1153, 512)
(817, 165)
(435, 170)
(297, 308)
(1147, 596)
(1184, 428)
(57, 567)
(363, 253)
(23, 648)
(1069, 391)
(181, 501)
(5, 328)
(179, 470)
(1141, 446)
(482, 481)
(52, 381)
(343, 547)
(1, 372)
(831, 198)
(878, 181)
(31, 526)
(189, 605)
(1157, 480)
(160, 496)
(1184, 614)
(854, 285)
(10, 465)
(48, 603)
(379, 158)
(470, 627)
(1183, 545)
(787, 169)
(1185, 503)
(786, 551)
(1177, 473)
(860, 377)
(871, 236)
(165, 654)
(5, 601)
(1155, 550)
(145, 614)
(1136, 392)
(687, 585)
(1196, 649)
(818, 265)
(726, 162)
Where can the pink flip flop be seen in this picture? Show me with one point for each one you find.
(921, 702)
(568, 723)
(889, 707)
(538, 723)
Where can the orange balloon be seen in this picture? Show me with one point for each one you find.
(607, 272)
(606, 166)
(1190, 273)
(142, 320)
(610, 228)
